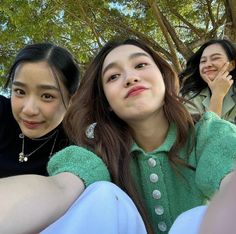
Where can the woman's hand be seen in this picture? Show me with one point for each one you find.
(222, 82)
(219, 88)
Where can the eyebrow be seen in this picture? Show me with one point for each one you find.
(212, 55)
(132, 56)
(45, 87)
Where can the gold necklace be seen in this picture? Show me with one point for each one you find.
(24, 157)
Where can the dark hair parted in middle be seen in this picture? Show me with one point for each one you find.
(113, 137)
(61, 61)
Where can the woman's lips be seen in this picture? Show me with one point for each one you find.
(31, 124)
(135, 91)
(209, 72)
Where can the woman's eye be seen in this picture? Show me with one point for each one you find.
(215, 58)
(18, 92)
(113, 77)
(47, 97)
(140, 65)
(202, 61)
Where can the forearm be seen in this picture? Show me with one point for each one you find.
(220, 215)
(226, 180)
(30, 203)
(216, 104)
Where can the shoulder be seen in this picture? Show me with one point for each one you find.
(4, 101)
(192, 96)
(215, 151)
(215, 135)
(5, 107)
(211, 126)
(212, 123)
(198, 101)
(62, 139)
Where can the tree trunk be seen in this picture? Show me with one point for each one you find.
(230, 26)
(169, 41)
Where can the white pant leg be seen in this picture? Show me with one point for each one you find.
(102, 208)
(189, 221)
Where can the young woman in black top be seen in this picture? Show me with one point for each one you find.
(41, 80)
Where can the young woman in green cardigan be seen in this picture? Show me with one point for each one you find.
(130, 128)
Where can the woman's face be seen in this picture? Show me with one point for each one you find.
(212, 60)
(36, 99)
(132, 83)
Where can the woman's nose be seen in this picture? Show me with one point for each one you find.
(208, 63)
(131, 78)
(30, 107)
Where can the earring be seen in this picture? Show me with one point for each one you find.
(90, 131)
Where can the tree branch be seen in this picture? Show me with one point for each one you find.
(208, 2)
(181, 47)
(197, 31)
(88, 22)
(161, 24)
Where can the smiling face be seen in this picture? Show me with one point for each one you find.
(132, 83)
(212, 60)
(36, 99)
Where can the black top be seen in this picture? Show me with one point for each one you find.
(11, 145)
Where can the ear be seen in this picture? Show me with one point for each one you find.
(231, 65)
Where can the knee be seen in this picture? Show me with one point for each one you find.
(105, 189)
(107, 193)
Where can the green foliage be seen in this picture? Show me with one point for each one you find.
(84, 26)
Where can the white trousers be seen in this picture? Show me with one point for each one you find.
(102, 208)
(189, 222)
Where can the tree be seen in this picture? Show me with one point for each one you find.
(174, 28)
(230, 25)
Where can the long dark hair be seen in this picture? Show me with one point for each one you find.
(61, 61)
(191, 78)
(113, 138)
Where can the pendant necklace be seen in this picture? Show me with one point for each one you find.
(24, 157)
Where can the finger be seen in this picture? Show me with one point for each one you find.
(210, 83)
(207, 79)
(229, 77)
(224, 70)
(226, 65)
(231, 65)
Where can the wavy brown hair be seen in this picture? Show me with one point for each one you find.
(113, 137)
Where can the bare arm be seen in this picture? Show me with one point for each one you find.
(216, 104)
(220, 215)
(29, 203)
(226, 180)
